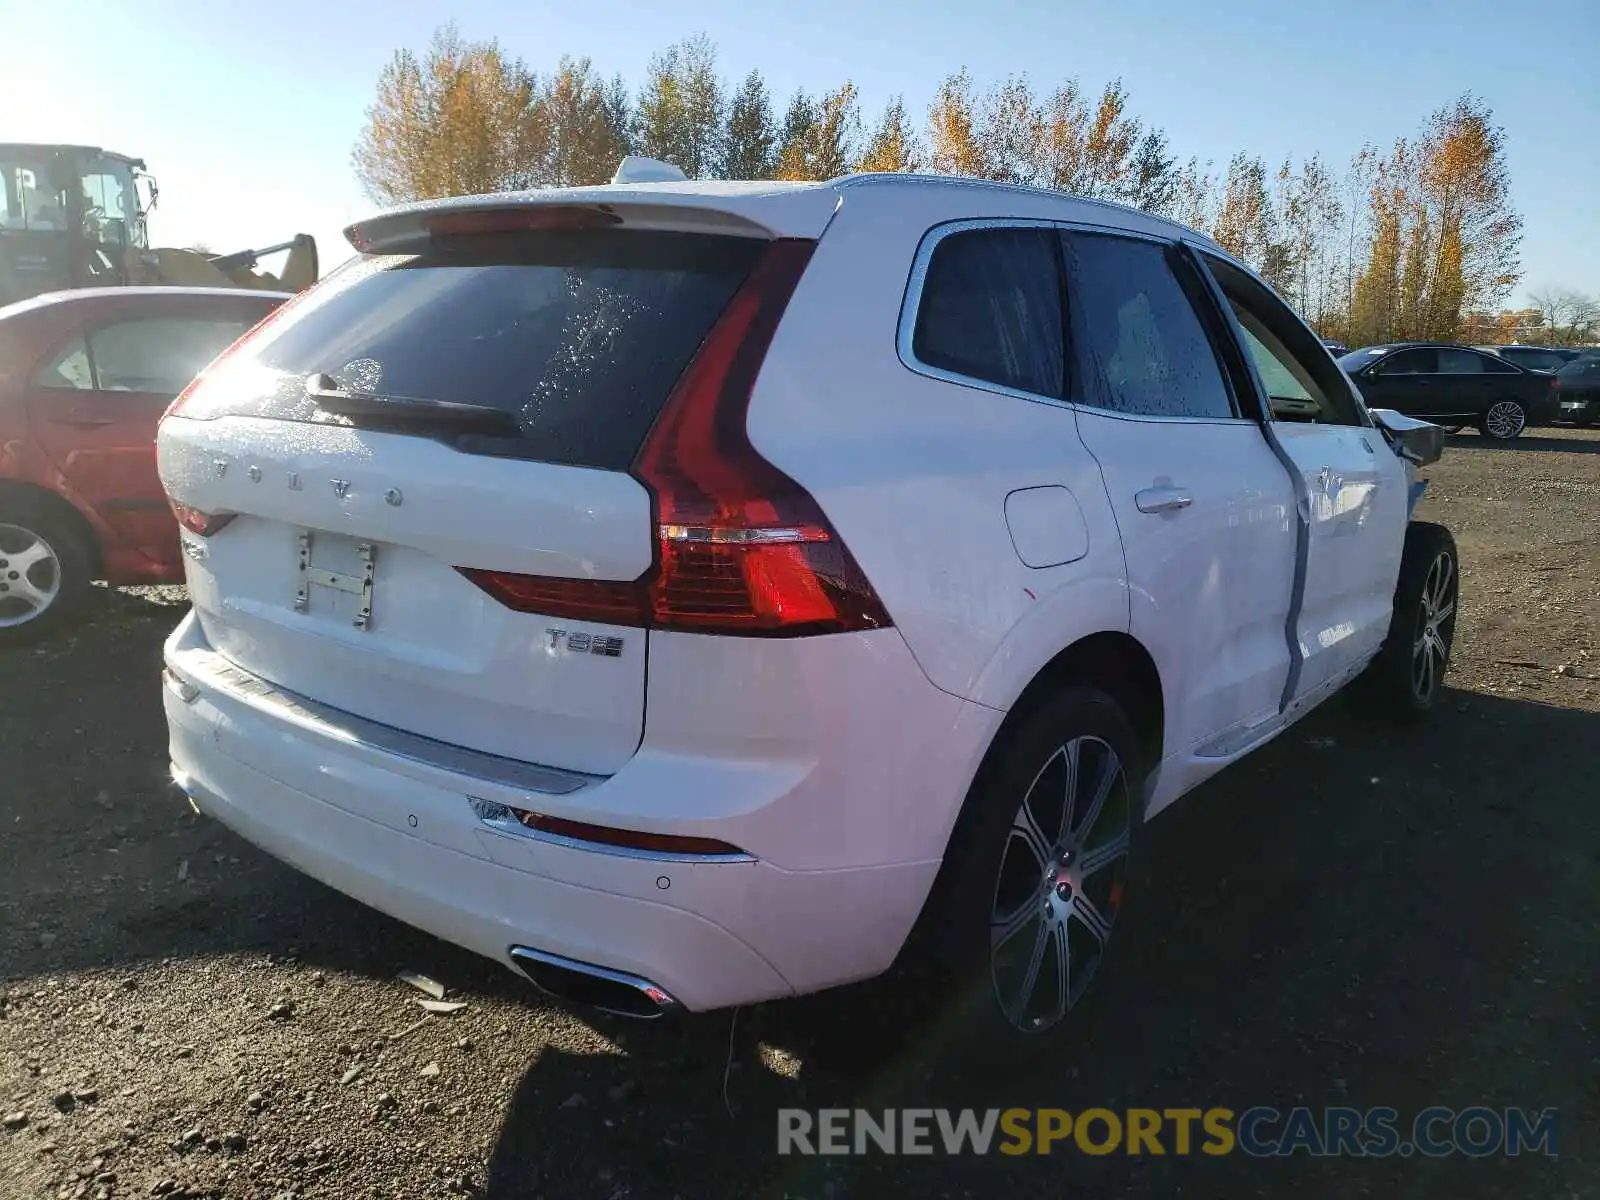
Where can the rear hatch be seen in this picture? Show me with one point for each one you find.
(447, 409)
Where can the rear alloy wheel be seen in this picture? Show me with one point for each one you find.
(1033, 902)
(1506, 419)
(1060, 884)
(44, 573)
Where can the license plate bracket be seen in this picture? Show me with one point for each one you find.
(359, 584)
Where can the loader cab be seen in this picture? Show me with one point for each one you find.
(70, 216)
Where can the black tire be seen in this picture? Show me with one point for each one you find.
(1514, 422)
(1398, 684)
(24, 521)
(1452, 429)
(986, 870)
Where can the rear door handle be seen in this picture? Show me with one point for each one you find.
(1162, 499)
(84, 420)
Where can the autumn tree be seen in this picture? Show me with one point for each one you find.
(1151, 181)
(680, 108)
(750, 140)
(1010, 134)
(463, 118)
(953, 147)
(820, 136)
(893, 144)
(585, 132)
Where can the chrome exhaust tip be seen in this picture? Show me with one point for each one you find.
(615, 992)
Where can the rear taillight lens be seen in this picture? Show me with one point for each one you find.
(195, 521)
(741, 547)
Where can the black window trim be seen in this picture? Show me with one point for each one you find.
(1174, 246)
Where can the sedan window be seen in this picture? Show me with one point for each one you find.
(159, 354)
(1418, 360)
(69, 370)
(1459, 362)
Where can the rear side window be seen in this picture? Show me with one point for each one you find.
(991, 309)
(580, 335)
(158, 355)
(1538, 360)
(1460, 362)
(1143, 349)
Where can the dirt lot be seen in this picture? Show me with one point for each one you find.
(1351, 917)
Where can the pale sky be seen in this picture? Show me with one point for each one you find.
(246, 112)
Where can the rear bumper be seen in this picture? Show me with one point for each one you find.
(404, 836)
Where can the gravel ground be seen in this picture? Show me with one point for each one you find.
(1352, 916)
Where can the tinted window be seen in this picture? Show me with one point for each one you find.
(1496, 366)
(1460, 362)
(1539, 360)
(579, 335)
(1142, 347)
(991, 309)
(1419, 360)
(1587, 367)
(159, 354)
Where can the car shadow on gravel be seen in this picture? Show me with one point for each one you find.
(1352, 917)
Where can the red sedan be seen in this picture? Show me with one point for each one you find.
(84, 378)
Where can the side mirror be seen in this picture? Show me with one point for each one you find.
(1415, 441)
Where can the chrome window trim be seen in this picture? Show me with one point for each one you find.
(905, 332)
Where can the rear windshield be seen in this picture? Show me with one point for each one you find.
(579, 335)
(1586, 368)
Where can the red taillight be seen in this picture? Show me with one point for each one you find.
(741, 547)
(195, 521)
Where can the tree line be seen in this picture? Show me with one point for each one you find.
(1416, 241)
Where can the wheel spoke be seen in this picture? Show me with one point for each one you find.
(23, 559)
(1030, 978)
(1092, 918)
(1442, 613)
(1025, 828)
(1098, 858)
(23, 588)
(1063, 972)
(1072, 754)
(1110, 771)
(1003, 929)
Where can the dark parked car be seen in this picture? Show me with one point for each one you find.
(1335, 347)
(1453, 386)
(84, 379)
(1577, 389)
(1546, 359)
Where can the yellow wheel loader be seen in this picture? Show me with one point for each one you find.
(75, 216)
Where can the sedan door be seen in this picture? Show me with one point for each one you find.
(93, 406)
(1404, 381)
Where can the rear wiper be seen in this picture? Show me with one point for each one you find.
(409, 410)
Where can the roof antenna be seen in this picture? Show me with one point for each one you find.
(636, 168)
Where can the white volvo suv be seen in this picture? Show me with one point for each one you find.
(690, 594)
